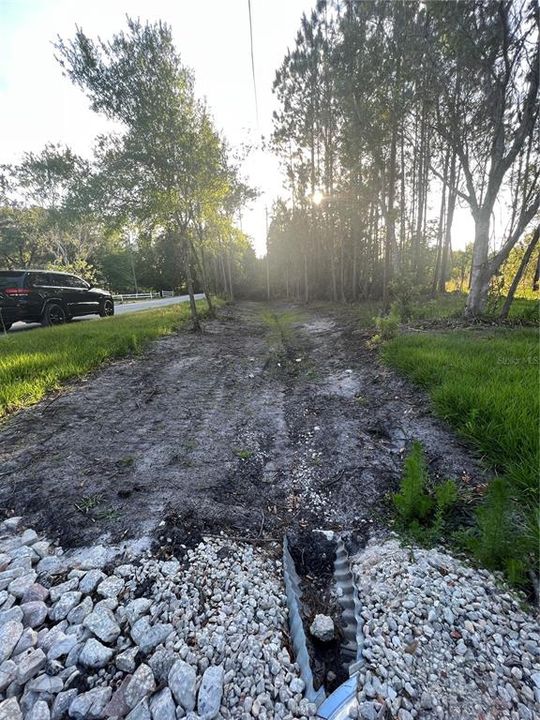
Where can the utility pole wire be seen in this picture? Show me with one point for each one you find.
(253, 64)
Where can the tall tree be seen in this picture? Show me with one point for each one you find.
(166, 156)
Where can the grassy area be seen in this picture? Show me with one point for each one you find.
(36, 362)
(485, 383)
(452, 305)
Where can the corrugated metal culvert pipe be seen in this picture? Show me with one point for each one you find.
(339, 703)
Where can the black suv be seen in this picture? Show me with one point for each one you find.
(47, 297)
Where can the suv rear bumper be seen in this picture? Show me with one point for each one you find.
(15, 313)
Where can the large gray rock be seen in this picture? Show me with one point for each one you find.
(102, 624)
(57, 591)
(8, 670)
(34, 613)
(135, 609)
(9, 575)
(89, 558)
(111, 587)
(40, 711)
(161, 662)
(10, 710)
(82, 610)
(66, 603)
(35, 592)
(154, 636)
(11, 524)
(182, 682)
(126, 661)
(10, 633)
(27, 640)
(52, 565)
(140, 686)
(12, 613)
(29, 537)
(42, 548)
(210, 692)
(140, 712)
(162, 706)
(61, 703)
(139, 629)
(61, 646)
(90, 581)
(50, 684)
(30, 665)
(94, 654)
(20, 585)
(90, 705)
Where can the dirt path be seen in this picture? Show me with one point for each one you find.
(276, 417)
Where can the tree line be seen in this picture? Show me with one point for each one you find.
(391, 114)
(155, 205)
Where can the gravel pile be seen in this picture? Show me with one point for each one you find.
(141, 638)
(442, 640)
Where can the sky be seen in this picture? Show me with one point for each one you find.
(39, 105)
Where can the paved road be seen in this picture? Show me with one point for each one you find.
(121, 309)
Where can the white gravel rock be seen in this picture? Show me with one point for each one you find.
(94, 654)
(140, 686)
(102, 624)
(40, 711)
(10, 633)
(111, 587)
(182, 682)
(162, 706)
(10, 710)
(90, 705)
(442, 640)
(210, 692)
(29, 665)
(322, 628)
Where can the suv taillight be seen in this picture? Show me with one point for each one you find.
(16, 292)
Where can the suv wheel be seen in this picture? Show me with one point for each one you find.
(107, 309)
(54, 315)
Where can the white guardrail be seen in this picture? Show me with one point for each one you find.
(142, 296)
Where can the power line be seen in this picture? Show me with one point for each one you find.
(253, 63)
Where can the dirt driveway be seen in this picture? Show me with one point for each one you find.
(275, 417)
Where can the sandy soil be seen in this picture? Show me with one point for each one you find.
(257, 426)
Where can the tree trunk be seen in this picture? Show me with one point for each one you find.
(206, 289)
(480, 274)
(189, 278)
(229, 274)
(452, 197)
(519, 274)
(306, 279)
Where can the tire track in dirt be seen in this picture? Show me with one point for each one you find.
(223, 431)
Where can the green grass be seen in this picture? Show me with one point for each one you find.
(452, 305)
(39, 361)
(485, 384)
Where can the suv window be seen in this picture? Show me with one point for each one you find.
(71, 281)
(59, 280)
(78, 282)
(10, 279)
(39, 279)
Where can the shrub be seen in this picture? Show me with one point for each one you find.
(412, 502)
(504, 538)
(446, 496)
(422, 515)
(387, 325)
